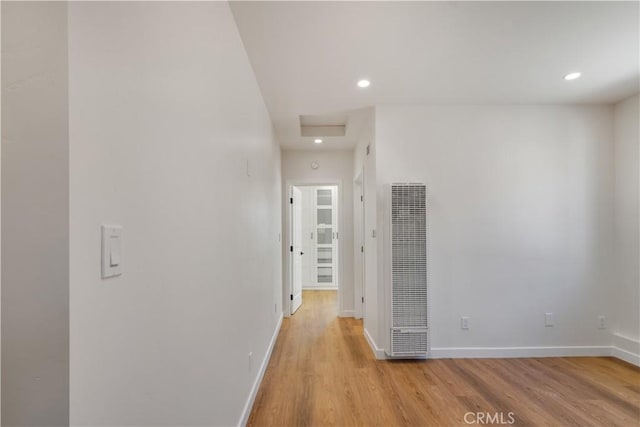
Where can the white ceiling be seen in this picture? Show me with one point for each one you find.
(308, 56)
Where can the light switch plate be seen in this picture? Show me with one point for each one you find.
(111, 250)
(548, 319)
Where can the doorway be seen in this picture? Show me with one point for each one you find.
(314, 241)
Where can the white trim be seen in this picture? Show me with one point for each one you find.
(626, 348)
(519, 352)
(377, 352)
(347, 313)
(624, 342)
(263, 368)
(625, 355)
(513, 352)
(320, 288)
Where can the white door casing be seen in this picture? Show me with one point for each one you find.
(296, 254)
(359, 234)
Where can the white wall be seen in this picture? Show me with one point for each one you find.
(627, 215)
(163, 120)
(333, 166)
(520, 214)
(35, 215)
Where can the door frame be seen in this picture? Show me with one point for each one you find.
(292, 253)
(359, 271)
(286, 288)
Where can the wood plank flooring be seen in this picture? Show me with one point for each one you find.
(323, 373)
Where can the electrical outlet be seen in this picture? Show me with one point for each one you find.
(548, 319)
(464, 322)
(602, 322)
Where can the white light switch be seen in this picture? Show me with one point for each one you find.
(114, 252)
(548, 319)
(111, 250)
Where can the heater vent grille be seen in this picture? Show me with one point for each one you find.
(409, 299)
(408, 343)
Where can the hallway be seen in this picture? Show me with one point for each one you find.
(322, 372)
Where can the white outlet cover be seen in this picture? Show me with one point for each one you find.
(464, 322)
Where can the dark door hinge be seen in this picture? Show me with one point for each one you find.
(362, 249)
(291, 296)
(362, 198)
(290, 248)
(290, 200)
(363, 300)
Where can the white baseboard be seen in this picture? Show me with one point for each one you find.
(377, 352)
(626, 348)
(513, 352)
(348, 313)
(625, 355)
(263, 368)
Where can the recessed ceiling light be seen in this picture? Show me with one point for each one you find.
(318, 141)
(364, 83)
(572, 76)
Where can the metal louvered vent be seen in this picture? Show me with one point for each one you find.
(408, 241)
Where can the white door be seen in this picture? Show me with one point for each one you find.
(296, 253)
(327, 236)
(308, 235)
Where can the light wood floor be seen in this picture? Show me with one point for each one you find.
(322, 373)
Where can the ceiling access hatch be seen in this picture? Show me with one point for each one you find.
(323, 125)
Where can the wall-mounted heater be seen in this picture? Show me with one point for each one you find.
(406, 273)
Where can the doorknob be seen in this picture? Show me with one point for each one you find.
(301, 253)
